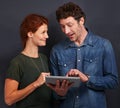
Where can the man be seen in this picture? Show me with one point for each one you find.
(85, 55)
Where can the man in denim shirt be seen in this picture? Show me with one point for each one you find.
(85, 55)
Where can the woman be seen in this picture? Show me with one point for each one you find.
(25, 77)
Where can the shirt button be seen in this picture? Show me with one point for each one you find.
(65, 65)
(90, 60)
(77, 96)
(79, 49)
(78, 60)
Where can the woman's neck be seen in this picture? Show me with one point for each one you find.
(31, 51)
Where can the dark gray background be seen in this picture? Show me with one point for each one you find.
(103, 18)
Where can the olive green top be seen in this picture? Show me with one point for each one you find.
(26, 70)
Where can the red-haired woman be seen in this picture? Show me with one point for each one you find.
(25, 77)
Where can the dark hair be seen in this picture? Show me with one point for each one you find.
(30, 24)
(69, 9)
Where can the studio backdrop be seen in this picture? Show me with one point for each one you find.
(103, 18)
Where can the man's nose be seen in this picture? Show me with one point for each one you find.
(67, 30)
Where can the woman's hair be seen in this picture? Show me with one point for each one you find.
(30, 24)
(69, 9)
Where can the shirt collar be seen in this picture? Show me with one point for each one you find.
(88, 41)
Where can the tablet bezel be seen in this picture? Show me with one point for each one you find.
(74, 80)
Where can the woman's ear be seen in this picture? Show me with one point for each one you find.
(30, 34)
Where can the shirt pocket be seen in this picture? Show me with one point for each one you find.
(64, 67)
(91, 65)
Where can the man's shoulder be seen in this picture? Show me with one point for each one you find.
(98, 38)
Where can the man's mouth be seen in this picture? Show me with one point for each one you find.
(70, 36)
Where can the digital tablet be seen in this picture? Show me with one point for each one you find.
(74, 80)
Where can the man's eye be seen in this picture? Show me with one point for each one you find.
(62, 26)
(70, 25)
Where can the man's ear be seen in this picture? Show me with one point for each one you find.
(30, 34)
(82, 21)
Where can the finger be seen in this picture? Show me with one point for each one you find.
(70, 84)
(76, 74)
(57, 83)
(67, 75)
(63, 84)
(70, 72)
(46, 74)
(66, 84)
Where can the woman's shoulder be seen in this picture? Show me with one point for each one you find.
(18, 58)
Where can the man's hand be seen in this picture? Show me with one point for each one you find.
(60, 88)
(77, 73)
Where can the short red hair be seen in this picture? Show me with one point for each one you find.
(30, 24)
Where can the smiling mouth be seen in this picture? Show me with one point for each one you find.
(43, 40)
(71, 36)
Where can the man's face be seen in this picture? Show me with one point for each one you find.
(72, 28)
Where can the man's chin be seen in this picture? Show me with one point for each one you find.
(72, 39)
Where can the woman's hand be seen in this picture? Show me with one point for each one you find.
(41, 79)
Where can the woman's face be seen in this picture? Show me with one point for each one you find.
(40, 36)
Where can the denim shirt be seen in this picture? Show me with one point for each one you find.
(94, 57)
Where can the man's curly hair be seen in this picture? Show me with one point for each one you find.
(69, 9)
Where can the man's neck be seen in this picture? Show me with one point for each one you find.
(81, 39)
